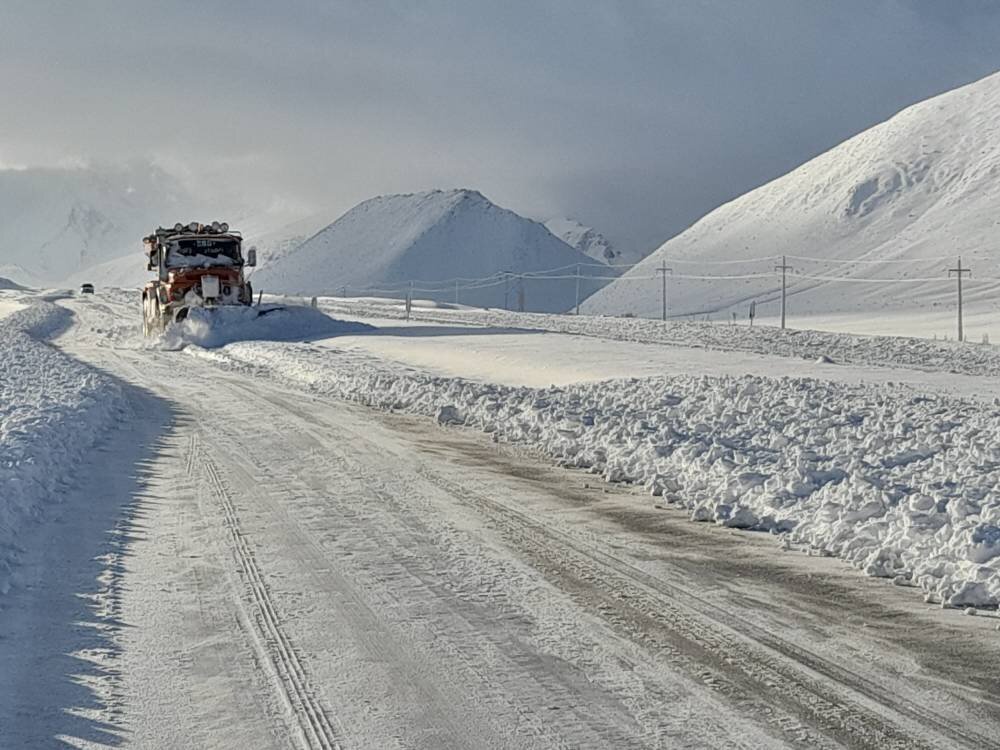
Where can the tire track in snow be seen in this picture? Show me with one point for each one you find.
(668, 645)
(451, 636)
(316, 728)
(775, 665)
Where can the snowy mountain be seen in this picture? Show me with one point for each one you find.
(899, 201)
(57, 221)
(430, 238)
(276, 243)
(126, 272)
(585, 239)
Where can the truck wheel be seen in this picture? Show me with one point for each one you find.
(155, 319)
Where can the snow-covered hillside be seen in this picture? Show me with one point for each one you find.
(277, 243)
(430, 238)
(126, 272)
(899, 201)
(57, 221)
(17, 275)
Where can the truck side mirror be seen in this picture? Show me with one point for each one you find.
(252, 257)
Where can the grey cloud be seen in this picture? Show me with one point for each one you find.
(635, 116)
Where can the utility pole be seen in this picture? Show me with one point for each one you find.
(577, 288)
(663, 271)
(520, 293)
(959, 272)
(409, 300)
(456, 292)
(506, 290)
(784, 268)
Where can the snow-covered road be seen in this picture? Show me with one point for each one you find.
(247, 565)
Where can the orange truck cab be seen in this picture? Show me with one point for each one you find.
(196, 265)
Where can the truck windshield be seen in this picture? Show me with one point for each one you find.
(203, 251)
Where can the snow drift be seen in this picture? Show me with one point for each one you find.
(921, 188)
(53, 409)
(431, 238)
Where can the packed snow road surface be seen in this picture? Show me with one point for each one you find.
(247, 565)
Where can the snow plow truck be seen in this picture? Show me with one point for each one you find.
(197, 265)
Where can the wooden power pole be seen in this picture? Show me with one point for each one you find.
(784, 268)
(663, 271)
(959, 272)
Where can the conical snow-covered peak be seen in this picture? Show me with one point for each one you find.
(430, 238)
(916, 190)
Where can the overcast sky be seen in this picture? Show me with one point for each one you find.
(634, 116)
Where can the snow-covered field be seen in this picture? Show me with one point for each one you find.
(53, 409)
(911, 353)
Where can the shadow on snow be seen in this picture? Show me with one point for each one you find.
(61, 623)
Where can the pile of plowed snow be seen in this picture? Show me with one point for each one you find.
(902, 486)
(220, 326)
(53, 409)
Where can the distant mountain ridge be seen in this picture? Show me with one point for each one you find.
(590, 242)
(585, 239)
(55, 222)
(431, 238)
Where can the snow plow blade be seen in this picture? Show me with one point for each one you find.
(262, 312)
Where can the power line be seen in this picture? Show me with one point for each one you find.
(862, 279)
(864, 261)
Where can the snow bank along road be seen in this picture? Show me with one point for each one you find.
(243, 563)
